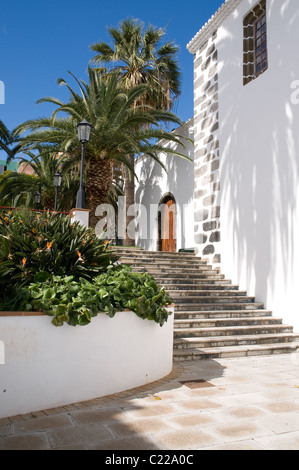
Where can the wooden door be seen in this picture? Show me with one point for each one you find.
(168, 237)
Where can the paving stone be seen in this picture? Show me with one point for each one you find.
(99, 416)
(240, 445)
(285, 406)
(280, 423)
(34, 441)
(41, 424)
(198, 405)
(157, 410)
(234, 432)
(286, 441)
(132, 443)
(232, 415)
(187, 438)
(203, 419)
(238, 413)
(139, 427)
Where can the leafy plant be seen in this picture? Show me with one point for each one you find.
(33, 242)
(76, 302)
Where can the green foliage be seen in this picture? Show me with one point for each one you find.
(48, 264)
(76, 302)
(31, 243)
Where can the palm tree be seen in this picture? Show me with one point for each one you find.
(22, 187)
(119, 129)
(141, 58)
(6, 141)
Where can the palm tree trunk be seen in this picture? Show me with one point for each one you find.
(130, 200)
(99, 174)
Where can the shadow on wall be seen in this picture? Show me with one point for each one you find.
(147, 193)
(154, 183)
(260, 158)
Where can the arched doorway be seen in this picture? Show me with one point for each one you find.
(167, 224)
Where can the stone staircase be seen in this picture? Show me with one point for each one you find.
(213, 318)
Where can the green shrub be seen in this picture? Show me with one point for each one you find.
(31, 242)
(76, 302)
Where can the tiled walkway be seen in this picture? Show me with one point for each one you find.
(248, 403)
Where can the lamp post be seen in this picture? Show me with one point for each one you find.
(37, 198)
(57, 184)
(84, 129)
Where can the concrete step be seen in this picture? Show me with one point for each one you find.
(225, 341)
(225, 322)
(219, 299)
(169, 271)
(234, 351)
(181, 288)
(184, 277)
(232, 331)
(197, 307)
(221, 314)
(213, 317)
(154, 254)
(140, 260)
(176, 283)
(199, 293)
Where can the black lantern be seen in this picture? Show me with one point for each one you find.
(37, 198)
(57, 180)
(57, 184)
(84, 129)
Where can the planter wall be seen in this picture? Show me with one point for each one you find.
(46, 367)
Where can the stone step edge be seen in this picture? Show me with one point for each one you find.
(237, 330)
(191, 341)
(201, 285)
(178, 322)
(221, 314)
(207, 293)
(229, 312)
(164, 260)
(236, 351)
(216, 306)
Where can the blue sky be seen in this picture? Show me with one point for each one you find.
(41, 40)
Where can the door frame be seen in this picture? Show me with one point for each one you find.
(164, 199)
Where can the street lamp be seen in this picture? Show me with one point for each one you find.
(57, 184)
(84, 129)
(37, 198)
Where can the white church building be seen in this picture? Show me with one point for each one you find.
(237, 202)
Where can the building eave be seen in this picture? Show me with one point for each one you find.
(212, 25)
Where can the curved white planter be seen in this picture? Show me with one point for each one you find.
(47, 367)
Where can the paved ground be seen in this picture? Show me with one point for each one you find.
(247, 403)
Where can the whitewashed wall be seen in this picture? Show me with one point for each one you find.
(259, 161)
(153, 183)
(47, 367)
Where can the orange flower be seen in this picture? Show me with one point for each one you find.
(24, 261)
(49, 245)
